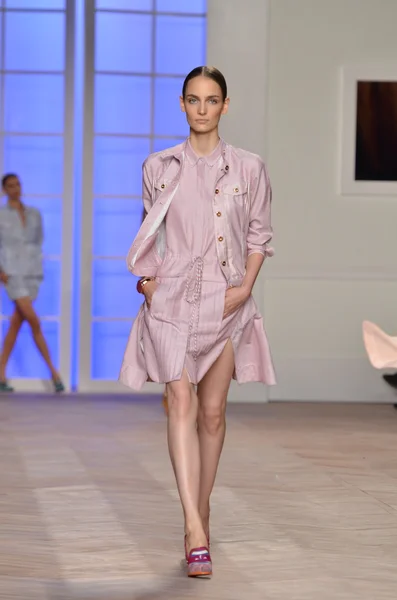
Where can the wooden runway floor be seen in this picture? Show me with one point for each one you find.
(305, 506)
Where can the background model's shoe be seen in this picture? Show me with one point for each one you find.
(5, 387)
(199, 563)
(58, 386)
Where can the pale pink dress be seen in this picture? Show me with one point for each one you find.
(184, 327)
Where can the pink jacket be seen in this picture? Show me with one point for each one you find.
(244, 228)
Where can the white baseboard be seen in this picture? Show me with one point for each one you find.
(250, 392)
(42, 386)
(329, 380)
(299, 380)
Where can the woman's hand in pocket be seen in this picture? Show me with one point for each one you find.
(149, 288)
(234, 298)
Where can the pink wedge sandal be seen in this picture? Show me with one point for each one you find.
(199, 563)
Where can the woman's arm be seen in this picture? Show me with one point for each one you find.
(3, 276)
(40, 230)
(260, 230)
(237, 296)
(147, 186)
(258, 237)
(254, 263)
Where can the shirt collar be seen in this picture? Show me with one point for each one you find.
(9, 207)
(210, 159)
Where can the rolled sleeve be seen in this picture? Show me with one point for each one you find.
(40, 230)
(147, 185)
(260, 230)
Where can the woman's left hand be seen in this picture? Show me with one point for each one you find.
(234, 298)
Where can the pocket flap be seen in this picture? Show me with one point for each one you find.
(161, 184)
(236, 189)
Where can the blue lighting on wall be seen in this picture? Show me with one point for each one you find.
(32, 146)
(140, 60)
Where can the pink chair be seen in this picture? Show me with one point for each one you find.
(381, 348)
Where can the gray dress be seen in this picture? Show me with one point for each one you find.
(21, 254)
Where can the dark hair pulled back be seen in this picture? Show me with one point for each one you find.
(6, 177)
(210, 72)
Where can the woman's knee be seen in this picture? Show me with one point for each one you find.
(212, 418)
(16, 319)
(34, 322)
(181, 401)
(29, 314)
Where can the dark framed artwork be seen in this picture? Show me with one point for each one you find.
(369, 131)
(376, 131)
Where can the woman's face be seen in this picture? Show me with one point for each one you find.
(12, 188)
(203, 104)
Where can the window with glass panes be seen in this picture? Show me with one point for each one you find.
(36, 74)
(137, 55)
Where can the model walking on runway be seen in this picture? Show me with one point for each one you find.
(198, 254)
(21, 271)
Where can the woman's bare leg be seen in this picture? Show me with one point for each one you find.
(212, 394)
(9, 341)
(184, 451)
(25, 307)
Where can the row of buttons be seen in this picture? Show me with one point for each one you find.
(219, 214)
(235, 190)
(220, 239)
(216, 191)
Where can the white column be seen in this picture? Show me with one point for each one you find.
(86, 276)
(237, 44)
(65, 324)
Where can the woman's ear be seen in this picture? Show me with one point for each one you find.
(225, 106)
(182, 104)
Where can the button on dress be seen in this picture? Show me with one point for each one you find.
(184, 327)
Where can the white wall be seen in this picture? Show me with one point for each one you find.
(336, 257)
(237, 41)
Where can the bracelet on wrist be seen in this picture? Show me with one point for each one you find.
(141, 284)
